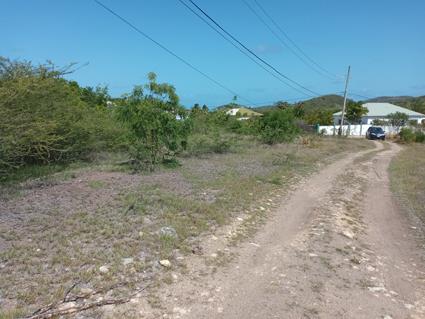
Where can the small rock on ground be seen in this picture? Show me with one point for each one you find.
(165, 263)
(103, 269)
(348, 233)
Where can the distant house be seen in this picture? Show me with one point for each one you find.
(243, 113)
(380, 111)
(110, 104)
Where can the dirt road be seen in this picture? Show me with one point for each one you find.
(335, 247)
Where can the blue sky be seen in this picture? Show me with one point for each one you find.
(383, 41)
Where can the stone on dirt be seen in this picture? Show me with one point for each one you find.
(377, 289)
(348, 233)
(103, 269)
(165, 263)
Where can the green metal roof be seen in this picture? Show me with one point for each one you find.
(383, 109)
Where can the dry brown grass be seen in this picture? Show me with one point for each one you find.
(408, 179)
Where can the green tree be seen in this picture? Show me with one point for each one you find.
(158, 123)
(282, 105)
(195, 109)
(398, 119)
(322, 117)
(98, 96)
(355, 112)
(299, 110)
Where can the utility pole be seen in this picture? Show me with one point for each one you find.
(345, 100)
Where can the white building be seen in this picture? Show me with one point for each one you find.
(232, 111)
(243, 112)
(380, 111)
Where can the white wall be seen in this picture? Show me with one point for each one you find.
(352, 130)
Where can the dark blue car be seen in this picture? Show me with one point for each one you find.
(375, 133)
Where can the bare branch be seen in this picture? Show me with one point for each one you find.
(68, 305)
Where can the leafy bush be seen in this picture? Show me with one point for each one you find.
(204, 122)
(278, 126)
(201, 144)
(244, 127)
(407, 135)
(158, 124)
(94, 97)
(419, 137)
(43, 120)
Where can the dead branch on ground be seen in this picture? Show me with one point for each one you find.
(72, 305)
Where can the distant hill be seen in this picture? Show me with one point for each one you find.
(330, 102)
(326, 102)
(264, 109)
(333, 103)
(416, 104)
(390, 99)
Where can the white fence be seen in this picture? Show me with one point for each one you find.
(352, 130)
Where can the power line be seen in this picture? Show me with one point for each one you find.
(239, 49)
(250, 51)
(169, 51)
(293, 42)
(356, 94)
(277, 36)
(359, 95)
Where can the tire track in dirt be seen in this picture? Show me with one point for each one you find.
(337, 247)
